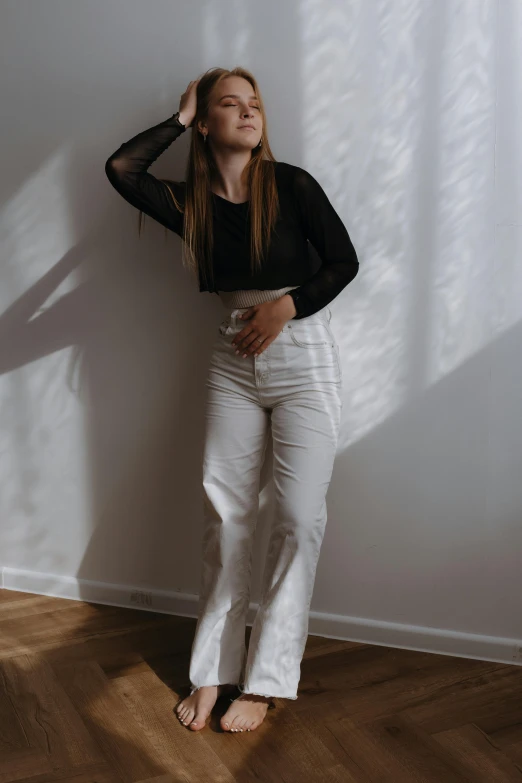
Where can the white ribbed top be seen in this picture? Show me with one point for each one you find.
(247, 298)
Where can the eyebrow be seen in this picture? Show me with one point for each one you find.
(232, 95)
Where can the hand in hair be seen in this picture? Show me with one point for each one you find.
(188, 103)
(264, 322)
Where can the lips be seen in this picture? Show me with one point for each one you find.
(248, 127)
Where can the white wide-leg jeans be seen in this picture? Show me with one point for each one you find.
(294, 386)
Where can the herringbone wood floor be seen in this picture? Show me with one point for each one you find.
(88, 694)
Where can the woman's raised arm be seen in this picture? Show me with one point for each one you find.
(127, 168)
(127, 171)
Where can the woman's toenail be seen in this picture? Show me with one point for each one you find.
(226, 725)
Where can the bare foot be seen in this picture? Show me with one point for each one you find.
(195, 709)
(245, 713)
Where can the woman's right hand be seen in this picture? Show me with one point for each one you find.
(188, 103)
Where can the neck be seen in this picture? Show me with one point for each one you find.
(229, 181)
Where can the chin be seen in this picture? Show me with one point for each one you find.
(248, 145)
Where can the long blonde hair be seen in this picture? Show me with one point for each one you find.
(263, 207)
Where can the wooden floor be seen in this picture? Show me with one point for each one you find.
(88, 692)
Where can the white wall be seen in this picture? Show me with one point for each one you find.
(409, 114)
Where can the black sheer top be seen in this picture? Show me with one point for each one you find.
(306, 216)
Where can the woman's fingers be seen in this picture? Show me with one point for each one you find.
(250, 344)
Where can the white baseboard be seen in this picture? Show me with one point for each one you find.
(333, 626)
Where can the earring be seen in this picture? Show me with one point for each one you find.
(205, 138)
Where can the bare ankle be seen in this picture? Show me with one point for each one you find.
(213, 688)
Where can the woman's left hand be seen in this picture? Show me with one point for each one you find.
(265, 322)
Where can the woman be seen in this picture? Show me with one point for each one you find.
(245, 220)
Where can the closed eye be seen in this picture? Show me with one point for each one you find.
(235, 104)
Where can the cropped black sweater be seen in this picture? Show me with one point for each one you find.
(306, 215)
